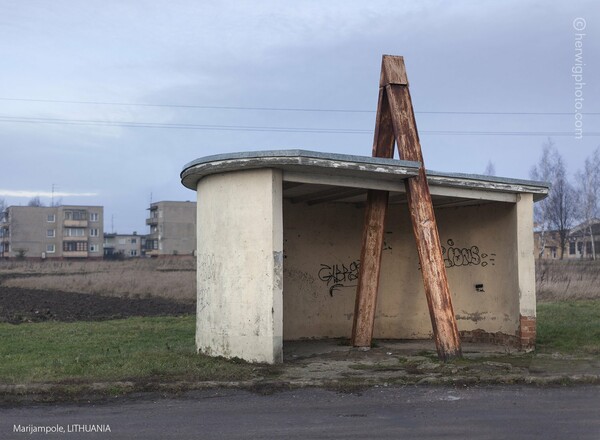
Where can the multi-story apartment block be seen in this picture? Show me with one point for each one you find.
(123, 245)
(172, 229)
(52, 232)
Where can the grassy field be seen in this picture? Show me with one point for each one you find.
(571, 327)
(170, 278)
(162, 348)
(135, 348)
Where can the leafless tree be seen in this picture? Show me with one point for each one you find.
(588, 186)
(558, 211)
(35, 201)
(490, 169)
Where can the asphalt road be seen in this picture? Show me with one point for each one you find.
(389, 413)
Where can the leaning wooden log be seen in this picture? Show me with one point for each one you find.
(420, 206)
(373, 233)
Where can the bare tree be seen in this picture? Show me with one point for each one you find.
(2, 206)
(558, 211)
(490, 169)
(35, 201)
(588, 186)
(543, 172)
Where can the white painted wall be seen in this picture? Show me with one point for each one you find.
(240, 248)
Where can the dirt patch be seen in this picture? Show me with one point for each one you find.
(28, 305)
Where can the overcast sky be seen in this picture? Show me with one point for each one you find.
(111, 59)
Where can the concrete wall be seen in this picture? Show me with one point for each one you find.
(179, 228)
(174, 228)
(239, 306)
(322, 248)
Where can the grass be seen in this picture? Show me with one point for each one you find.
(558, 280)
(571, 327)
(129, 349)
(170, 278)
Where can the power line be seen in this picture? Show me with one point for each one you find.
(216, 127)
(285, 109)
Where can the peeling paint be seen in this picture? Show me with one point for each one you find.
(278, 270)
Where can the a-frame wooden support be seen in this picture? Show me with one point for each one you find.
(396, 122)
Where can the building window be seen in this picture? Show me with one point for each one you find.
(94, 248)
(93, 232)
(51, 218)
(572, 248)
(51, 233)
(133, 253)
(75, 246)
(74, 232)
(94, 216)
(75, 215)
(134, 241)
(50, 248)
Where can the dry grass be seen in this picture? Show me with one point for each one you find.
(567, 280)
(175, 278)
(172, 278)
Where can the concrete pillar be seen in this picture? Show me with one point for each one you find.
(240, 265)
(525, 270)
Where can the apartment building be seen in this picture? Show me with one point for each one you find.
(123, 245)
(66, 231)
(172, 229)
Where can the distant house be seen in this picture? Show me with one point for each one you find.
(123, 245)
(550, 242)
(172, 229)
(69, 231)
(579, 243)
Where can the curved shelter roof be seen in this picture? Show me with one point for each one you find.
(316, 177)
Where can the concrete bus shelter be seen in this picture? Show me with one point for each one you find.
(279, 241)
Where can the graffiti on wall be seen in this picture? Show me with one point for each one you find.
(456, 256)
(337, 275)
(340, 275)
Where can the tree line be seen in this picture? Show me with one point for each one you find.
(569, 201)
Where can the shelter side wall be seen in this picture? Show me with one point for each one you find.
(322, 249)
(239, 262)
(525, 267)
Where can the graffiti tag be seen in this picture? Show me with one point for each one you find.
(455, 256)
(337, 276)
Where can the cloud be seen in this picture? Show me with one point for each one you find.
(29, 194)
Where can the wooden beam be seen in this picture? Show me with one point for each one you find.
(425, 229)
(372, 237)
